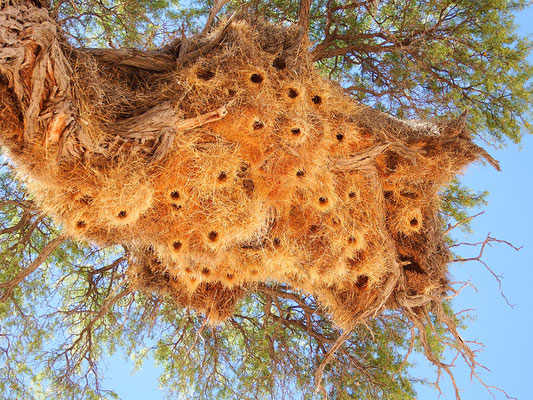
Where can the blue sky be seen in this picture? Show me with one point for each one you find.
(505, 332)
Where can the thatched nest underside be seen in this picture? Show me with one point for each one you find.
(241, 166)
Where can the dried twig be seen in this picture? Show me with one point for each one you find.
(203, 119)
(462, 222)
(488, 240)
(145, 59)
(185, 57)
(8, 286)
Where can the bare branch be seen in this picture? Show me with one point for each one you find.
(8, 287)
(204, 48)
(488, 240)
(463, 221)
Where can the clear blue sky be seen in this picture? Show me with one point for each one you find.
(506, 333)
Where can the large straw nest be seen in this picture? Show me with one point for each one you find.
(298, 184)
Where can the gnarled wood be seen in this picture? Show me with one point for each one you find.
(143, 59)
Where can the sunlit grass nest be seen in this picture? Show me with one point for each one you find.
(282, 178)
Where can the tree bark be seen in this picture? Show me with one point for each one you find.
(147, 60)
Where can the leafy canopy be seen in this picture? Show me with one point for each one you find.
(412, 59)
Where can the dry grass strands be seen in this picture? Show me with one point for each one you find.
(241, 166)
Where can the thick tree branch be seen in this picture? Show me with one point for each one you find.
(203, 47)
(148, 59)
(303, 17)
(327, 359)
(217, 6)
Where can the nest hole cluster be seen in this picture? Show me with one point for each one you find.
(297, 184)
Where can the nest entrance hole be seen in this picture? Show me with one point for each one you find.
(177, 245)
(323, 201)
(205, 74)
(222, 177)
(362, 281)
(313, 229)
(316, 100)
(409, 195)
(258, 125)
(296, 131)
(229, 277)
(212, 236)
(256, 78)
(279, 63)
(292, 93)
(122, 214)
(248, 186)
(409, 263)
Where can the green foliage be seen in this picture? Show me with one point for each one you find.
(457, 201)
(257, 356)
(413, 59)
(425, 58)
(123, 23)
